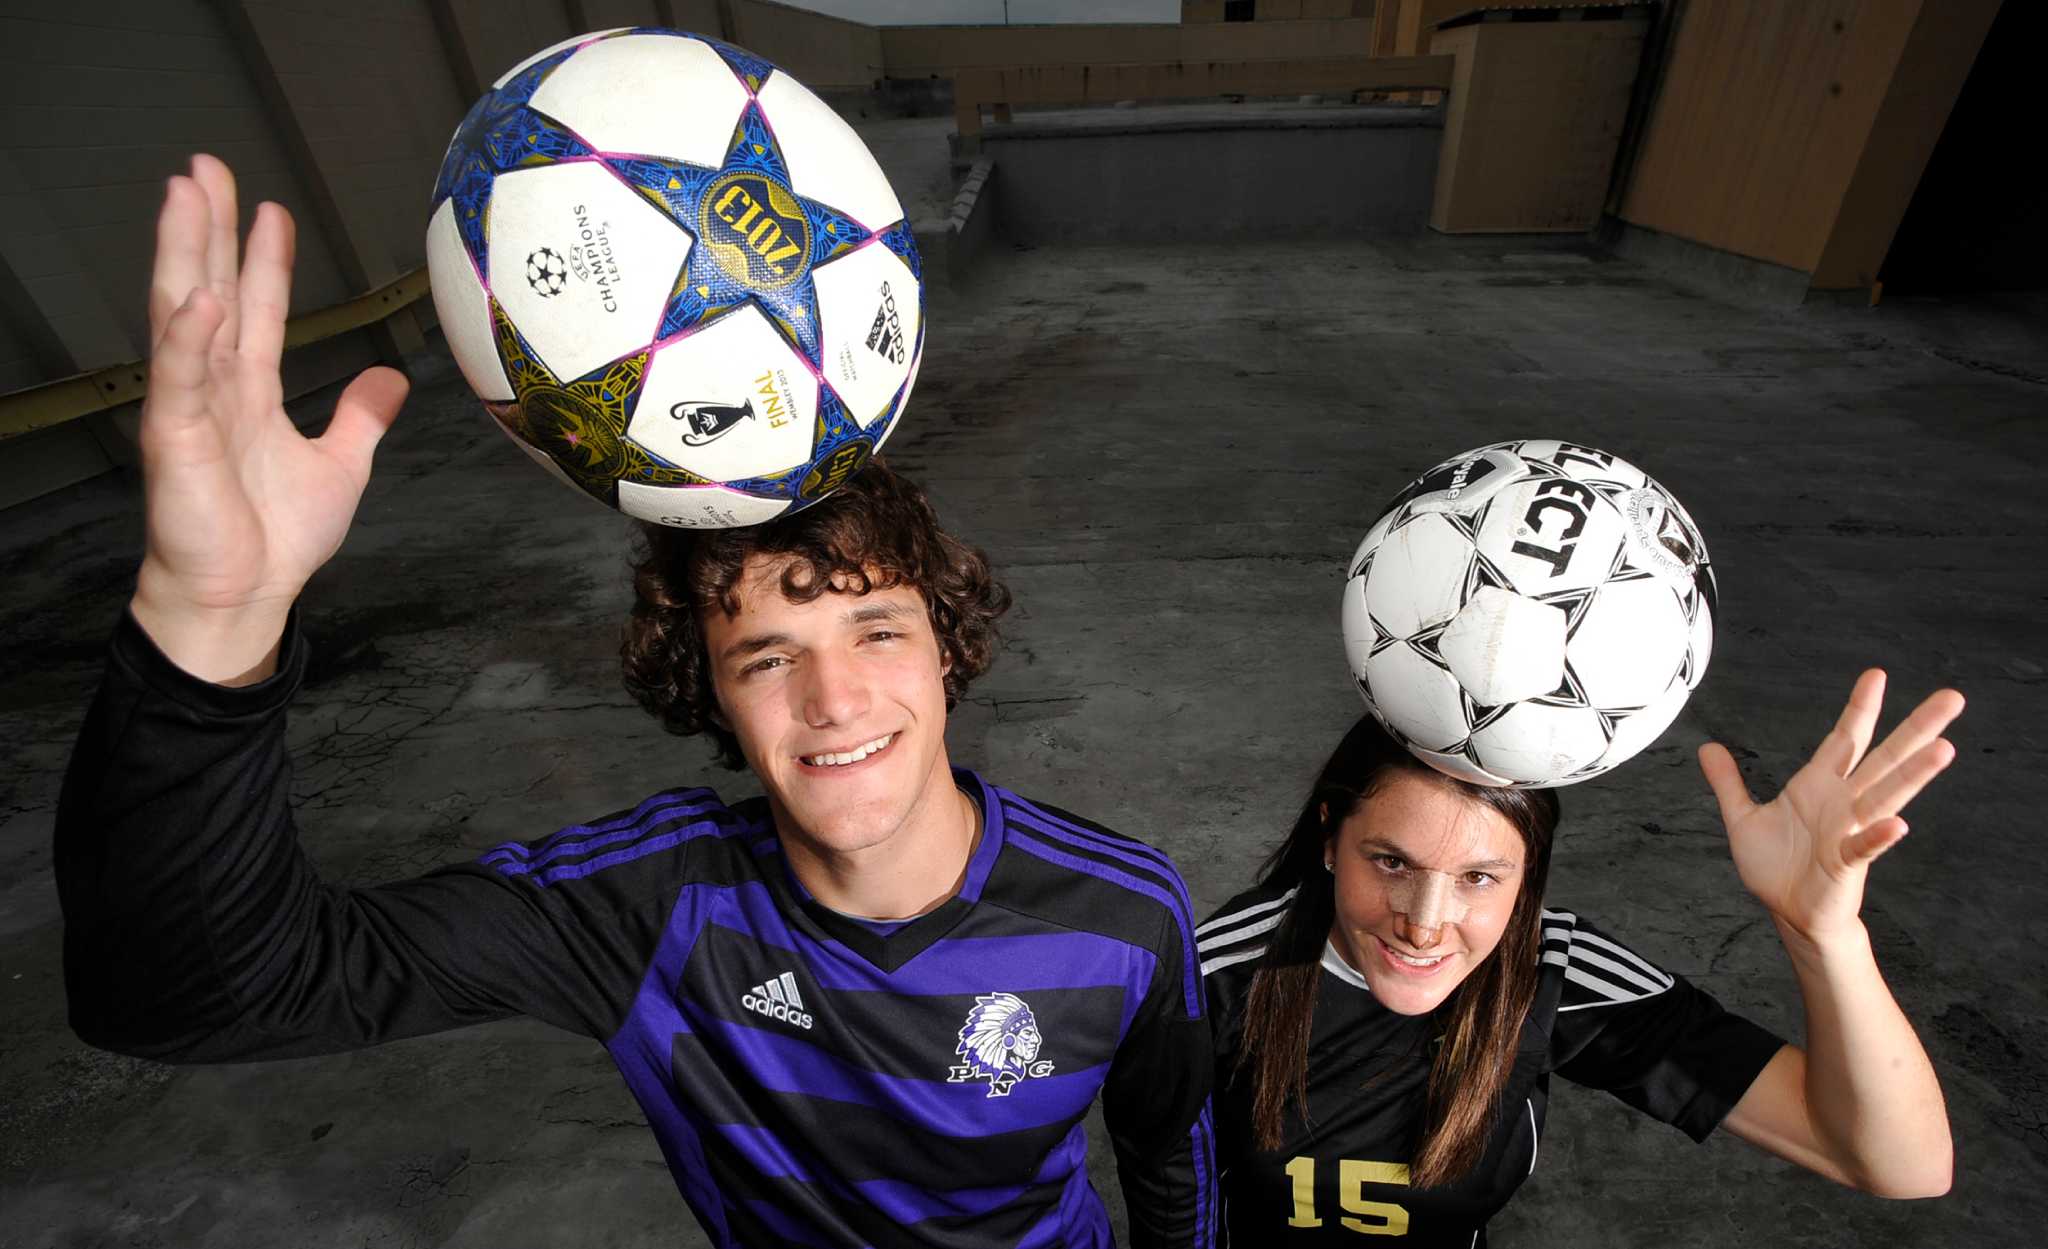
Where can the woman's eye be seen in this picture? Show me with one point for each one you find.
(1389, 862)
(1478, 880)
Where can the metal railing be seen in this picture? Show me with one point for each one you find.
(68, 398)
(999, 89)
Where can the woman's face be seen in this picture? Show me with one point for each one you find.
(1426, 882)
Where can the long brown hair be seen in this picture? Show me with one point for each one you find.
(1480, 1022)
(877, 531)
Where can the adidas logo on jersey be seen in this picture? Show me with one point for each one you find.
(778, 999)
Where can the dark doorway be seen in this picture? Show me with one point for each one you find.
(1979, 219)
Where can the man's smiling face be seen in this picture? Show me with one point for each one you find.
(839, 705)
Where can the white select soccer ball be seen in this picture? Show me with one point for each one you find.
(676, 278)
(1530, 613)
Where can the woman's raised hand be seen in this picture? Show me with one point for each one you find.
(1805, 853)
(240, 507)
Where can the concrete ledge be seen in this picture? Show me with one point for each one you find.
(1741, 278)
(1215, 171)
(1179, 118)
(972, 222)
(950, 244)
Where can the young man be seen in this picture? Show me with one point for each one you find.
(869, 1008)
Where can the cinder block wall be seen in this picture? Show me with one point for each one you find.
(109, 98)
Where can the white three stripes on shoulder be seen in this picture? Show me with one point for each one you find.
(1214, 931)
(1608, 973)
(1231, 939)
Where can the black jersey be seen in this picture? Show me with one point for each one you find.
(1603, 1016)
(812, 1079)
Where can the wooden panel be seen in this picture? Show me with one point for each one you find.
(1534, 121)
(1763, 114)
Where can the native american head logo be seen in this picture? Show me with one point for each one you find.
(1000, 1043)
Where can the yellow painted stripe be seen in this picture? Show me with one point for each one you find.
(68, 398)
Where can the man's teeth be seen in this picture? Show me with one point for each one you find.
(855, 755)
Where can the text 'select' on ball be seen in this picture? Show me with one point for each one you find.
(1529, 613)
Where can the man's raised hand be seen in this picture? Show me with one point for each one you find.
(240, 507)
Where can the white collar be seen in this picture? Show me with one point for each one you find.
(1334, 963)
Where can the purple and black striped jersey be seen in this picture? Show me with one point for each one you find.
(812, 1079)
(1603, 1016)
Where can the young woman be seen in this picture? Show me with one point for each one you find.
(1391, 999)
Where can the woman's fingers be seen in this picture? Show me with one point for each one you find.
(180, 266)
(1843, 748)
(267, 287)
(1927, 722)
(223, 243)
(1862, 849)
(1725, 779)
(1900, 785)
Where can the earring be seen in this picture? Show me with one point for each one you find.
(1330, 866)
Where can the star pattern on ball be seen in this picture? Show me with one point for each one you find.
(1428, 643)
(580, 424)
(755, 239)
(501, 133)
(1573, 603)
(1570, 692)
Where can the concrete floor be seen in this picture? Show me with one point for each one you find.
(1170, 453)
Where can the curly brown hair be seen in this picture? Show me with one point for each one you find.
(876, 532)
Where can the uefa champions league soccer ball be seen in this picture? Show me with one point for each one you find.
(1529, 613)
(676, 278)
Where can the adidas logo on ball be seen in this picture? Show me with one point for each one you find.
(885, 337)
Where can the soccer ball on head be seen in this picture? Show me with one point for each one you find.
(676, 278)
(1529, 613)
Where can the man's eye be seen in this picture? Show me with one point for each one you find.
(883, 635)
(763, 665)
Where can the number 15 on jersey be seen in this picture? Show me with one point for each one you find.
(1372, 1218)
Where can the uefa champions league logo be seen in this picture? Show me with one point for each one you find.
(1000, 1043)
(545, 272)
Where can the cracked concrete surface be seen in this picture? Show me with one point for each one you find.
(1170, 453)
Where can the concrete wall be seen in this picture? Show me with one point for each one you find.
(922, 51)
(365, 104)
(110, 98)
(1193, 12)
(484, 38)
(823, 52)
(139, 85)
(1274, 173)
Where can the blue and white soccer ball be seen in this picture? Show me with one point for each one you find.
(1529, 613)
(676, 278)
